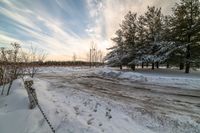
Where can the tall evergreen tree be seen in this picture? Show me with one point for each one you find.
(154, 38)
(153, 25)
(129, 33)
(115, 57)
(187, 27)
(168, 49)
(141, 40)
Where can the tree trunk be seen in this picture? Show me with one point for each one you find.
(133, 67)
(147, 65)
(120, 67)
(188, 55)
(3, 88)
(167, 64)
(187, 67)
(142, 65)
(181, 67)
(157, 65)
(9, 87)
(153, 66)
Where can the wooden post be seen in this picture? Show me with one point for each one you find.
(31, 93)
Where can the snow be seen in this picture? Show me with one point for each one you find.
(121, 75)
(163, 77)
(69, 111)
(72, 109)
(61, 69)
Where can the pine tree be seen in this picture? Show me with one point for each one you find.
(153, 25)
(187, 27)
(167, 49)
(154, 38)
(114, 58)
(141, 40)
(129, 33)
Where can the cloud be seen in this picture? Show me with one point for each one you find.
(107, 15)
(115, 10)
(56, 41)
(6, 40)
(63, 28)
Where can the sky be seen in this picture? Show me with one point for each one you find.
(63, 28)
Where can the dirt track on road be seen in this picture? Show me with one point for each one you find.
(155, 101)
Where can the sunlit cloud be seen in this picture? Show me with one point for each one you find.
(65, 27)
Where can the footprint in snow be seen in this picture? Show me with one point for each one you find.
(89, 122)
(108, 113)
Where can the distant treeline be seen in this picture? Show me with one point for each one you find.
(16, 62)
(70, 63)
(53, 63)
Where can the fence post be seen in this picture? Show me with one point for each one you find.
(31, 93)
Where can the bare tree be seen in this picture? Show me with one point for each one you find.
(100, 56)
(3, 68)
(13, 58)
(13, 61)
(74, 57)
(95, 55)
(92, 53)
(36, 56)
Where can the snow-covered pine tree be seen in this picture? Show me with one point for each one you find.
(186, 15)
(166, 38)
(153, 25)
(115, 56)
(129, 33)
(141, 41)
(167, 49)
(176, 50)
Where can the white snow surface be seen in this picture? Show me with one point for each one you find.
(75, 111)
(68, 113)
(163, 77)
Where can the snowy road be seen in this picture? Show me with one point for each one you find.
(156, 107)
(104, 100)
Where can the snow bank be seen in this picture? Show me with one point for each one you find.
(69, 111)
(133, 76)
(166, 77)
(60, 69)
(107, 72)
(15, 117)
(175, 80)
(181, 82)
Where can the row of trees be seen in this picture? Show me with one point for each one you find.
(65, 63)
(95, 55)
(157, 39)
(17, 63)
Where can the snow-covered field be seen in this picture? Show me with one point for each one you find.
(83, 100)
